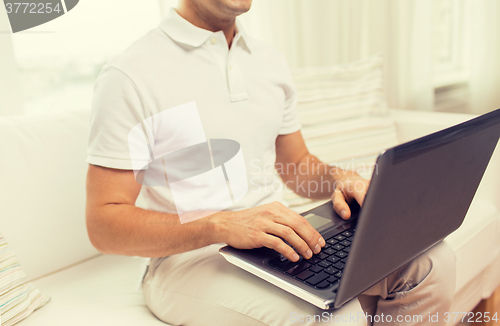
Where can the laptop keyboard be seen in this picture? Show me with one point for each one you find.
(323, 270)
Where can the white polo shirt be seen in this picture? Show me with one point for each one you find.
(244, 93)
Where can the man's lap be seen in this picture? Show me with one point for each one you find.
(201, 288)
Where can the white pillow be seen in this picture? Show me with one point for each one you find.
(18, 298)
(344, 116)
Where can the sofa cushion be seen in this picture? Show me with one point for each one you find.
(344, 116)
(43, 189)
(102, 291)
(18, 298)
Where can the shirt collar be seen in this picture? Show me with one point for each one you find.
(243, 36)
(182, 31)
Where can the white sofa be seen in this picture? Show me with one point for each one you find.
(42, 197)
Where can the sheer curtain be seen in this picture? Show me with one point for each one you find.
(327, 32)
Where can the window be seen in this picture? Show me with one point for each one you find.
(450, 56)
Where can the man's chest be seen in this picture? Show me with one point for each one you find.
(254, 120)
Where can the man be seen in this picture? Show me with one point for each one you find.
(244, 92)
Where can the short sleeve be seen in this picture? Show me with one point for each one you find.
(290, 122)
(117, 107)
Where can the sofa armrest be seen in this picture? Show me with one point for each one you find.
(414, 124)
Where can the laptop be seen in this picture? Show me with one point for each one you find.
(419, 193)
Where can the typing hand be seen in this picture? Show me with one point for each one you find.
(348, 187)
(266, 226)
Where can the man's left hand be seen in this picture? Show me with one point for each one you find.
(348, 187)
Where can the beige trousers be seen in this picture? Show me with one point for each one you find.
(201, 288)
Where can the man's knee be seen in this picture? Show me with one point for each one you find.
(434, 268)
(443, 261)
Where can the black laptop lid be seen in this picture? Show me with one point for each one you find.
(420, 192)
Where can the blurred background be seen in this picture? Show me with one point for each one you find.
(440, 55)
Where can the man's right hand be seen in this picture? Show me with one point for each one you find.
(266, 226)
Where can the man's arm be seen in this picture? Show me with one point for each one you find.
(306, 175)
(116, 226)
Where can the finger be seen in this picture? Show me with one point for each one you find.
(293, 239)
(280, 246)
(359, 191)
(302, 227)
(340, 204)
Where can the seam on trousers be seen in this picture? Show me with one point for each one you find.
(215, 304)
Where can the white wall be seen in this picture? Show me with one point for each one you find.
(10, 90)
